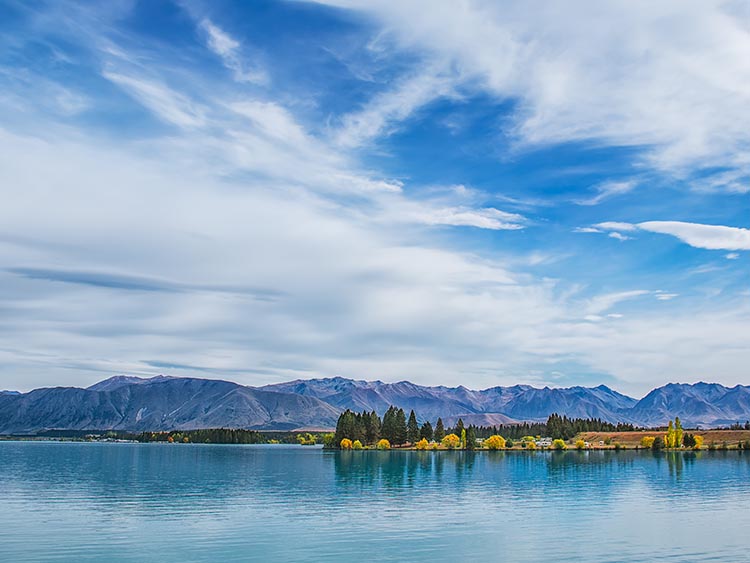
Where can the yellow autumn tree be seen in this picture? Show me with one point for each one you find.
(357, 445)
(647, 441)
(384, 444)
(530, 445)
(495, 442)
(580, 444)
(422, 444)
(559, 445)
(671, 436)
(451, 441)
(346, 444)
(698, 442)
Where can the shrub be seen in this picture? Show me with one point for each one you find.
(580, 444)
(357, 445)
(618, 446)
(495, 442)
(451, 441)
(384, 444)
(658, 443)
(509, 443)
(559, 445)
(346, 444)
(434, 446)
(530, 445)
(422, 444)
(647, 441)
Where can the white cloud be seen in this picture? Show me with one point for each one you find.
(712, 237)
(166, 104)
(618, 236)
(668, 77)
(616, 226)
(607, 190)
(228, 49)
(381, 114)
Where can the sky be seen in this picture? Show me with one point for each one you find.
(447, 192)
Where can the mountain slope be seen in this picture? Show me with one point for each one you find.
(164, 404)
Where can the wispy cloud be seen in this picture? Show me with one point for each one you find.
(711, 237)
(607, 190)
(229, 49)
(166, 104)
(382, 114)
(678, 104)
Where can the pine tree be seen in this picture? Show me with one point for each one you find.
(399, 427)
(412, 429)
(372, 428)
(459, 427)
(471, 438)
(388, 429)
(439, 433)
(426, 431)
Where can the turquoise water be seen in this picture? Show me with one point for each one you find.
(183, 503)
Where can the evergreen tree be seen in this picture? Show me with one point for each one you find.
(388, 430)
(459, 427)
(426, 431)
(399, 427)
(372, 428)
(346, 426)
(412, 429)
(471, 438)
(439, 433)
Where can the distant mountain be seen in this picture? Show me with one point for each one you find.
(507, 404)
(700, 404)
(4, 392)
(122, 380)
(161, 404)
(165, 403)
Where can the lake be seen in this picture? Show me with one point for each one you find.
(199, 503)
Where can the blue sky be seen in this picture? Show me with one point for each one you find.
(474, 193)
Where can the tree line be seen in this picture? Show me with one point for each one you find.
(367, 428)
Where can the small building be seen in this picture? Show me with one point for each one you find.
(544, 443)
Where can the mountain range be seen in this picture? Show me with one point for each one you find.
(166, 403)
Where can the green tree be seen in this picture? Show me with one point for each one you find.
(388, 430)
(426, 431)
(471, 439)
(412, 428)
(372, 428)
(658, 443)
(439, 433)
(458, 430)
(678, 433)
(400, 430)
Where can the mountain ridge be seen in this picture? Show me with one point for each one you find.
(165, 402)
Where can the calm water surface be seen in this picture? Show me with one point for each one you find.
(184, 503)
